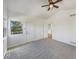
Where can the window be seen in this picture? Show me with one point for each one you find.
(16, 27)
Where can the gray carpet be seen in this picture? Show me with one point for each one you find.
(43, 49)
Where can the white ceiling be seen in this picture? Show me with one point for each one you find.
(33, 9)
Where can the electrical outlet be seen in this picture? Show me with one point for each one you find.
(73, 42)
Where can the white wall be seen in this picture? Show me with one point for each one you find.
(64, 27)
(64, 33)
(5, 36)
(4, 46)
(34, 31)
(18, 38)
(31, 32)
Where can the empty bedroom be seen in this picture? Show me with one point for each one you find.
(39, 29)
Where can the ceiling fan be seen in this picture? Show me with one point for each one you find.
(51, 4)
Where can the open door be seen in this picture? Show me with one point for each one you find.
(49, 31)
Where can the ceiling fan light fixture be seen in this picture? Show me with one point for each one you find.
(51, 6)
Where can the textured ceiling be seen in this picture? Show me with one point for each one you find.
(32, 8)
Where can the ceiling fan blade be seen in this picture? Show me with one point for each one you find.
(50, 1)
(55, 6)
(44, 5)
(57, 1)
(48, 8)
